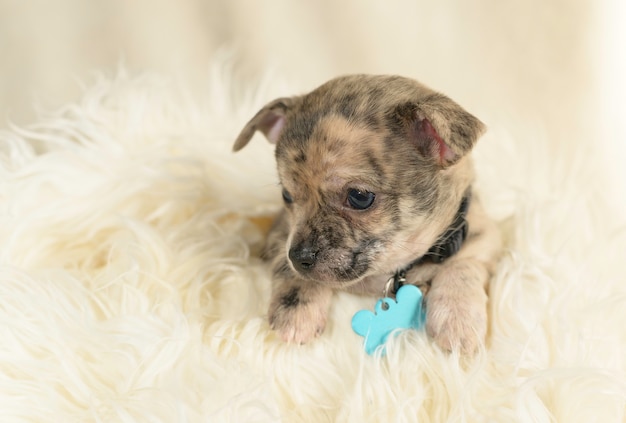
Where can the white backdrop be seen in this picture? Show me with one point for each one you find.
(556, 64)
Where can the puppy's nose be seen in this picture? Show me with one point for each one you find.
(303, 257)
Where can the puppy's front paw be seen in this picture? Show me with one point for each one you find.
(456, 323)
(296, 320)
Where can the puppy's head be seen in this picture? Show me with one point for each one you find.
(373, 169)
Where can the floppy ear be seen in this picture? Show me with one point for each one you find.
(440, 129)
(270, 120)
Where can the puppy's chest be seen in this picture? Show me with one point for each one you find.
(420, 276)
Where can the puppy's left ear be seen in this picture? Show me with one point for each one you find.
(270, 120)
(440, 129)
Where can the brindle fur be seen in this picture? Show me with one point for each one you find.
(407, 144)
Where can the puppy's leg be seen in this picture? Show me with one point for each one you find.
(298, 309)
(457, 300)
(456, 306)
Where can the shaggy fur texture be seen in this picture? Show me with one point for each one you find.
(131, 288)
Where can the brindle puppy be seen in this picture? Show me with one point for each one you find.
(374, 170)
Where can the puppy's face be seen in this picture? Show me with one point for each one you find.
(372, 170)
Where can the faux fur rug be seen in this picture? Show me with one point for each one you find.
(131, 288)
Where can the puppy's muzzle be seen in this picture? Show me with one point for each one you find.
(303, 257)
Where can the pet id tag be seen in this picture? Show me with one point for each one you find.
(405, 312)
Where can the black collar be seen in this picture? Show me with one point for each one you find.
(447, 245)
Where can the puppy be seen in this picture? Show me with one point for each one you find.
(376, 179)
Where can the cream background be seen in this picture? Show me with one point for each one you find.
(553, 64)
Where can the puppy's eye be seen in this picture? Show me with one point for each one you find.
(360, 200)
(287, 197)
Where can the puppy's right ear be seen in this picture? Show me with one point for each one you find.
(270, 120)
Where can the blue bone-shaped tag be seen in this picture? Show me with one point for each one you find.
(404, 312)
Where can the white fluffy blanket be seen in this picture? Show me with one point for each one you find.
(131, 288)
